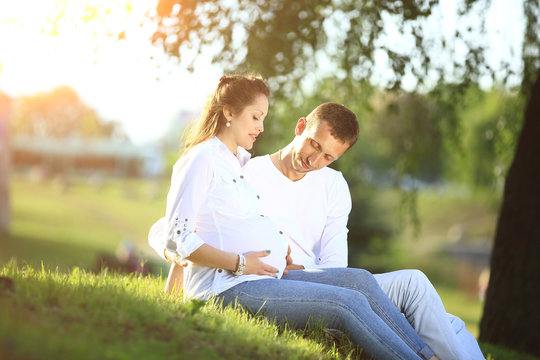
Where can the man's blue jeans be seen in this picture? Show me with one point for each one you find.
(365, 313)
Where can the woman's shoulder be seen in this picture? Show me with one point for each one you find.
(200, 154)
(206, 149)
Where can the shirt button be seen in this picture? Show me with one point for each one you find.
(262, 215)
(241, 176)
(258, 197)
(234, 180)
(281, 232)
(186, 219)
(178, 232)
(220, 271)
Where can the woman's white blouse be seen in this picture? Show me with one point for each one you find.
(211, 202)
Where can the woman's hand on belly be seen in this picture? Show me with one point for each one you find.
(254, 265)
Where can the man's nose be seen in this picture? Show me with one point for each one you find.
(314, 159)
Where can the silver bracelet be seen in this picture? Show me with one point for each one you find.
(173, 256)
(241, 265)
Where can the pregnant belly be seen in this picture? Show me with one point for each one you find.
(246, 235)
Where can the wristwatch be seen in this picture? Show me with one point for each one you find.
(241, 265)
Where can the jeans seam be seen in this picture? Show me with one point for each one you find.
(324, 302)
(393, 325)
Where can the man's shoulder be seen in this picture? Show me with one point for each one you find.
(329, 175)
(258, 162)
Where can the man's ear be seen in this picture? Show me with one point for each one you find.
(300, 126)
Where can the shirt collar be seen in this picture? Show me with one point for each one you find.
(242, 154)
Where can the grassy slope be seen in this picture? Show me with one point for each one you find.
(53, 315)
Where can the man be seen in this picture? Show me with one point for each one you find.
(311, 203)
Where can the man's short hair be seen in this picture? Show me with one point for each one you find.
(343, 122)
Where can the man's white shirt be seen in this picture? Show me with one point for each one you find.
(312, 211)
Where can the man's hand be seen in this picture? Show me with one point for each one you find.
(293, 267)
(290, 265)
(288, 258)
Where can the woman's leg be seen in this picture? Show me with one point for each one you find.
(363, 281)
(300, 302)
(414, 295)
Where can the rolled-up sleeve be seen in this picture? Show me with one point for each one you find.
(191, 181)
(333, 251)
(157, 237)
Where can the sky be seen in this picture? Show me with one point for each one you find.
(130, 81)
(50, 43)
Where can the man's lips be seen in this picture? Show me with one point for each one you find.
(304, 165)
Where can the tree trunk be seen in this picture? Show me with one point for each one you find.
(511, 311)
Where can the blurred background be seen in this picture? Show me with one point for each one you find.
(94, 96)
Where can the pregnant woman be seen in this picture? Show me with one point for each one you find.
(235, 253)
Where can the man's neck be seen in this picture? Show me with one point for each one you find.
(282, 160)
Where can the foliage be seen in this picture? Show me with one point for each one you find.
(490, 126)
(287, 40)
(405, 123)
(59, 114)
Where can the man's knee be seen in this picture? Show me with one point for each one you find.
(413, 281)
(417, 277)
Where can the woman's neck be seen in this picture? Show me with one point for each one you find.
(227, 139)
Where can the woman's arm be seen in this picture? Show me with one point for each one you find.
(210, 256)
(207, 255)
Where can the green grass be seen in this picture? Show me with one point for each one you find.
(70, 227)
(79, 315)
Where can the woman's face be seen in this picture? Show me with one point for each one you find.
(247, 125)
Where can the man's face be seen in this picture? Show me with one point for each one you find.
(315, 148)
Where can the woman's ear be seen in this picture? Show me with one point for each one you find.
(300, 126)
(227, 112)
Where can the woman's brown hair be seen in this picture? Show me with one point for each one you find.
(236, 91)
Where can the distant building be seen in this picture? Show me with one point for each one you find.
(108, 157)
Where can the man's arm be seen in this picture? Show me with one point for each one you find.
(333, 243)
(334, 249)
